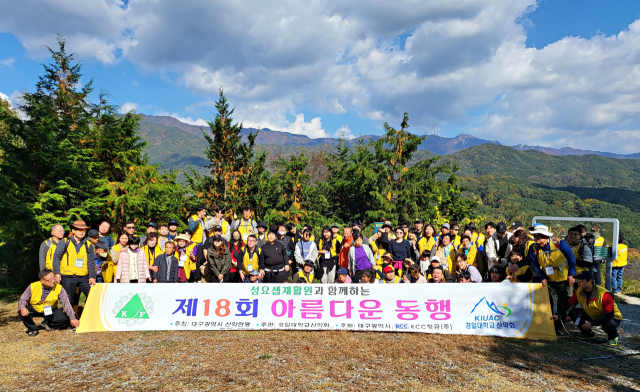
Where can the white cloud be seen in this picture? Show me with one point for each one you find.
(436, 59)
(186, 120)
(4, 96)
(128, 106)
(344, 132)
(8, 62)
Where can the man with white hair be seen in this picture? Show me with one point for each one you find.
(554, 263)
(48, 247)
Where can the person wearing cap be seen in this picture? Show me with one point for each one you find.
(387, 260)
(618, 266)
(132, 265)
(93, 237)
(187, 254)
(48, 247)
(173, 229)
(446, 252)
(390, 276)
(555, 266)
(445, 229)
(220, 261)
(249, 258)
(102, 258)
(254, 277)
(104, 227)
(246, 225)
(219, 221)
(166, 266)
(517, 225)
(199, 225)
(413, 275)
(74, 263)
(498, 247)
(599, 308)
(581, 251)
(360, 258)
(45, 298)
(261, 235)
(305, 250)
(276, 260)
(328, 250)
(305, 275)
(335, 232)
(151, 228)
(435, 264)
(342, 276)
(151, 250)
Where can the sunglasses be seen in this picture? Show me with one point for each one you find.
(129, 227)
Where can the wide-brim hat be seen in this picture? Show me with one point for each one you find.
(542, 230)
(182, 237)
(79, 224)
(387, 224)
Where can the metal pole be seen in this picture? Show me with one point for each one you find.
(607, 281)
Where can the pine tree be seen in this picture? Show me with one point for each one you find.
(236, 170)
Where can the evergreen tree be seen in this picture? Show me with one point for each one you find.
(236, 170)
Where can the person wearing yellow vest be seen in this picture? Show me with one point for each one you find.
(74, 262)
(219, 220)
(245, 225)
(250, 258)
(428, 240)
(390, 276)
(618, 266)
(447, 253)
(581, 250)
(380, 246)
(305, 275)
(43, 299)
(329, 247)
(555, 265)
(518, 270)
(48, 247)
(599, 308)
(468, 249)
(199, 225)
(151, 249)
(109, 269)
(186, 253)
(335, 232)
(455, 237)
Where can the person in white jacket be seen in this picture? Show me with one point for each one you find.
(306, 250)
(498, 247)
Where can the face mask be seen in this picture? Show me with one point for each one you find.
(282, 232)
(236, 237)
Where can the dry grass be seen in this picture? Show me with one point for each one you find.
(293, 360)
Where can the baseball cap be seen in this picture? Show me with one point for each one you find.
(172, 222)
(93, 233)
(418, 220)
(388, 269)
(309, 262)
(501, 228)
(446, 226)
(516, 224)
(152, 224)
(585, 275)
(342, 271)
(334, 224)
(102, 245)
(255, 273)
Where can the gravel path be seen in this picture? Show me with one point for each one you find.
(630, 309)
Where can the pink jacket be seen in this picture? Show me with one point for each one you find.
(122, 272)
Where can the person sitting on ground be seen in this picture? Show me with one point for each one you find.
(43, 299)
(437, 275)
(342, 276)
(497, 274)
(390, 276)
(132, 264)
(254, 277)
(464, 277)
(463, 266)
(306, 273)
(599, 308)
(435, 263)
(519, 270)
(166, 266)
(387, 260)
(413, 275)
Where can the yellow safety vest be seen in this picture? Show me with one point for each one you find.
(594, 308)
(520, 271)
(575, 250)
(471, 254)
(109, 271)
(451, 260)
(189, 265)
(478, 239)
(308, 279)
(456, 241)
(196, 236)
(621, 261)
(68, 261)
(36, 297)
(599, 241)
(253, 261)
(244, 228)
(339, 237)
(426, 244)
(48, 263)
(395, 280)
(225, 229)
(150, 254)
(556, 259)
(334, 246)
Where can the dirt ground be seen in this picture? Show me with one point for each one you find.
(294, 360)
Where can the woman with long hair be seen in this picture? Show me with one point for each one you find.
(220, 262)
(428, 239)
(235, 247)
(109, 270)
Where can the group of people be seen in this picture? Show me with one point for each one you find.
(249, 251)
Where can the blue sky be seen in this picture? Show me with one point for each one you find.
(555, 73)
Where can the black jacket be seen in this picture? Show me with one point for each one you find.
(161, 275)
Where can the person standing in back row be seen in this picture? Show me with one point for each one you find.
(199, 226)
(74, 262)
(48, 247)
(498, 247)
(246, 225)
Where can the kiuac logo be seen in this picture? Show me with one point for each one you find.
(494, 314)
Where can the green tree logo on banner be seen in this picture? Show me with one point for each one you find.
(133, 309)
